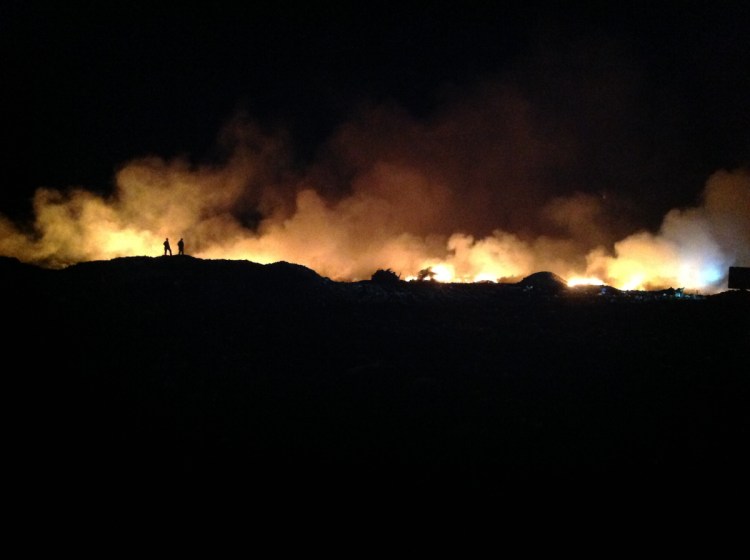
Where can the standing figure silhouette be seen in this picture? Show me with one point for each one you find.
(167, 248)
(180, 247)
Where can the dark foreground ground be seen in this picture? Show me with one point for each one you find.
(164, 372)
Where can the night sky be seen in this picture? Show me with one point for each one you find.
(91, 85)
(635, 100)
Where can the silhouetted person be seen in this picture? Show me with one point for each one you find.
(167, 248)
(180, 247)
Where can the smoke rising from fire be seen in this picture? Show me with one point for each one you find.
(481, 190)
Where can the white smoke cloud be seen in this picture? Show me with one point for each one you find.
(693, 248)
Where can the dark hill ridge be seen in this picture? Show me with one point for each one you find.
(143, 275)
(182, 369)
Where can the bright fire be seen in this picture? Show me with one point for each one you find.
(414, 215)
(581, 281)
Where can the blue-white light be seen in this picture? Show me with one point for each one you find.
(711, 275)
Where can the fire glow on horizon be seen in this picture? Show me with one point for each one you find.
(428, 209)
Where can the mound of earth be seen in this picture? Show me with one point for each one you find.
(544, 282)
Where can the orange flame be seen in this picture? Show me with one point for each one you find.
(406, 215)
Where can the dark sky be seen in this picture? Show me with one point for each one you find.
(657, 93)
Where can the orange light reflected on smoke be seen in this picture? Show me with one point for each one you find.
(391, 215)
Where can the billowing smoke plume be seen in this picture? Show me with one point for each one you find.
(477, 191)
(693, 248)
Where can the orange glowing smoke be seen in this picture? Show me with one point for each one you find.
(408, 197)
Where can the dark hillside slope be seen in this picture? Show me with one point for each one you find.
(180, 369)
